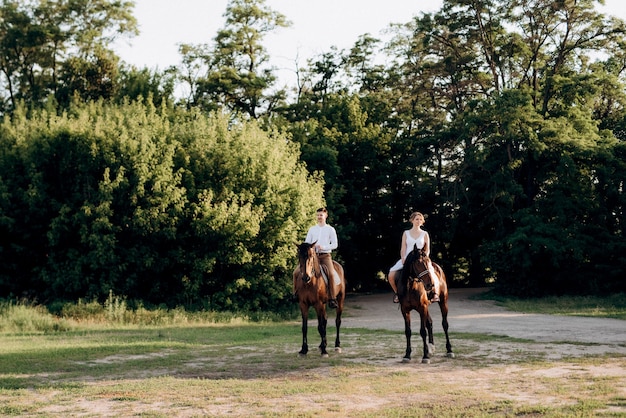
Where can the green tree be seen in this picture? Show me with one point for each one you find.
(134, 83)
(339, 140)
(92, 78)
(159, 204)
(48, 46)
(550, 209)
(561, 36)
(238, 75)
(461, 61)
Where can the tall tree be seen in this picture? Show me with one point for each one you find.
(238, 74)
(559, 37)
(514, 149)
(157, 85)
(46, 45)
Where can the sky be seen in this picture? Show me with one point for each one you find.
(316, 26)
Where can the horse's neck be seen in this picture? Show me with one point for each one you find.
(413, 275)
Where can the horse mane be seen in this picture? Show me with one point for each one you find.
(303, 250)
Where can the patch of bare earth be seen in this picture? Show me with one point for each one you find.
(565, 351)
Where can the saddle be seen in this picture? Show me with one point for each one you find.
(325, 275)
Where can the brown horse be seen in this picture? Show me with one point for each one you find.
(413, 289)
(311, 289)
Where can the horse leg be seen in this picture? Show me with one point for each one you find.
(341, 298)
(429, 328)
(407, 333)
(443, 304)
(426, 330)
(305, 323)
(321, 328)
(338, 323)
(423, 333)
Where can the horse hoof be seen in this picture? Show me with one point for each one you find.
(337, 349)
(301, 354)
(425, 361)
(450, 355)
(431, 348)
(406, 360)
(324, 355)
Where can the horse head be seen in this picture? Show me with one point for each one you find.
(307, 260)
(418, 267)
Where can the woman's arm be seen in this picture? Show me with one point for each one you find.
(403, 248)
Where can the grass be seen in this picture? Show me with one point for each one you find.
(253, 369)
(610, 306)
(174, 363)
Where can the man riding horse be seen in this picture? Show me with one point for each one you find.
(324, 238)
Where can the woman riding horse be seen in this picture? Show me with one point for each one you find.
(418, 275)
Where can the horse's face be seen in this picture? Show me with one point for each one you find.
(419, 266)
(306, 261)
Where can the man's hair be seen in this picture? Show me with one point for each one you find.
(322, 210)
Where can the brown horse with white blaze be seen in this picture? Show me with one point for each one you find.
(417, 281)
(311, 289)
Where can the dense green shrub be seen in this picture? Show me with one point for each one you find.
(157, 204)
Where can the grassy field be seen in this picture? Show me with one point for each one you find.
(114, 362)
(611, 306)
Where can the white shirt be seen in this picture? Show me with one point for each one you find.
(325, 236)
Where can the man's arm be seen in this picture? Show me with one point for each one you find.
(309, 236)
(334, 243)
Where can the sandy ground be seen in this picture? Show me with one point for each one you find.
(500, 380)
(485, 317)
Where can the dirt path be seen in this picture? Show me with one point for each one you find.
(485, 317)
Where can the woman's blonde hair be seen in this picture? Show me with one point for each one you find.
(415, 215)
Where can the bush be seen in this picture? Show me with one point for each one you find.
(165, 206)
(22, 317)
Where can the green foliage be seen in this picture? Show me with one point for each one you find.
(166, 206)
(25, 318)
(58, 48)
(238, 74)
(148, 84)
(541, 239)
(503, 121)
(114, 313)
(339, 140)
(486, 128)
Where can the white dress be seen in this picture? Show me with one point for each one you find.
(410, 243)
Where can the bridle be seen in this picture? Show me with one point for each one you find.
(310, 263)
(418, 278)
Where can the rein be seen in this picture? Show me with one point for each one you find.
(418, 278)
(316, 268)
